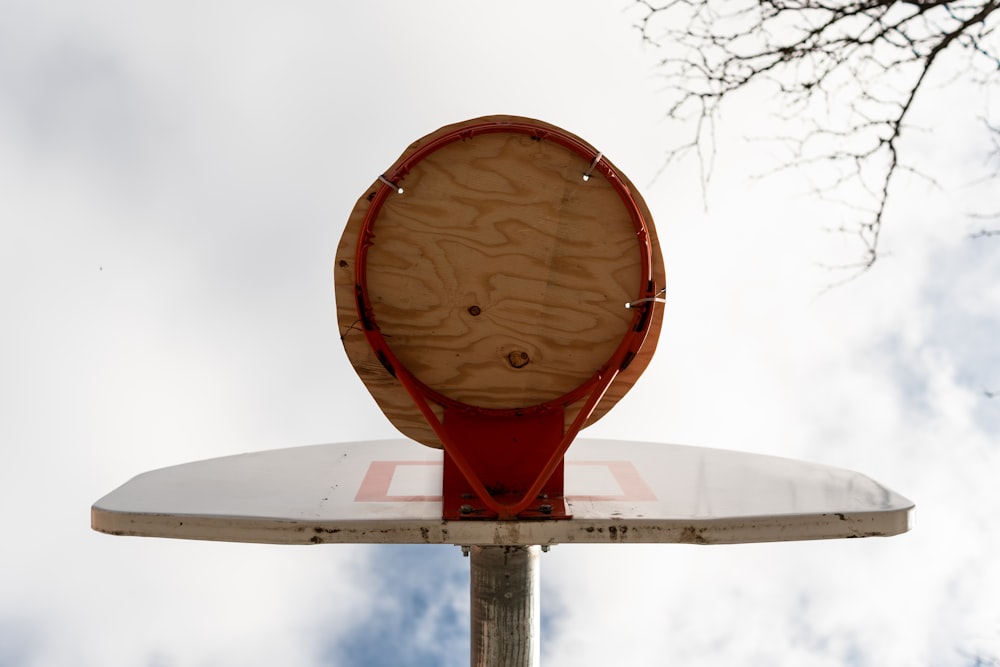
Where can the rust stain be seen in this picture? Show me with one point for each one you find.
(617, 533)
(692, 535)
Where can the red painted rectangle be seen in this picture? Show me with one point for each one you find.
(375, 485)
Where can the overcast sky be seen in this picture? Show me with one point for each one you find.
(174, 178)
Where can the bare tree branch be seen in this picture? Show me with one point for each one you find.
(984, 233)
(847, 75)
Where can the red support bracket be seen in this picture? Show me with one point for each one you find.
(502, 453)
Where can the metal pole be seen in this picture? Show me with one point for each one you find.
(506, 622)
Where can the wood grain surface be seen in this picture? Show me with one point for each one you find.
(499, 277)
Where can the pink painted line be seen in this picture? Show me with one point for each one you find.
(629, 480)
(375, 485)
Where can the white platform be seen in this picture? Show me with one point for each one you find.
(387, 491)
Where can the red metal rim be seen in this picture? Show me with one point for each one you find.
(630, 343)
(593, 388)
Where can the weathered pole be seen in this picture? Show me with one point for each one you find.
(506, 621)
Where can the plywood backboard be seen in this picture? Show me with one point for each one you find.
(499, 276)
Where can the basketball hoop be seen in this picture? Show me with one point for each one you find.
(504, 444)
(498, 289)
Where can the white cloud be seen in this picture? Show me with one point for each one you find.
(175, 182)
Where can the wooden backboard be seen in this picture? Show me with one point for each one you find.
(498, 276)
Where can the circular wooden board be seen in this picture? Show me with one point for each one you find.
(499, 276)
